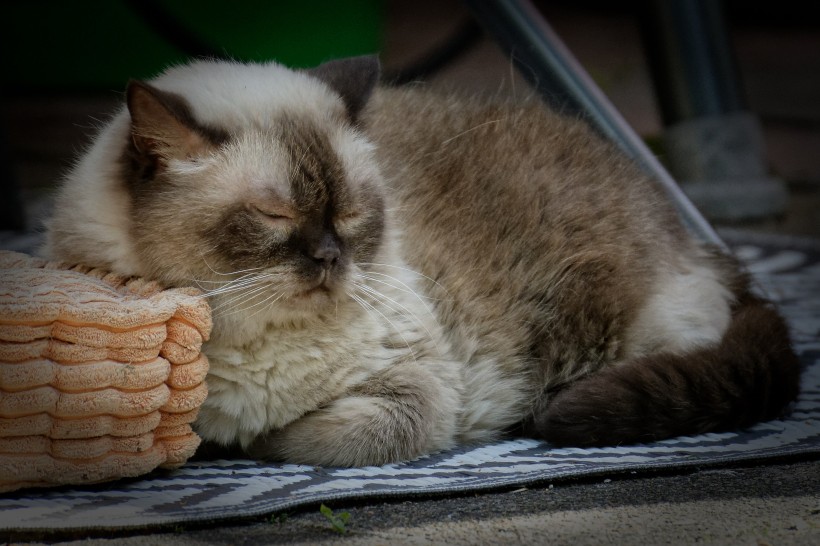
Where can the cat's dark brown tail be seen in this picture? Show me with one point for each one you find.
(752, 375)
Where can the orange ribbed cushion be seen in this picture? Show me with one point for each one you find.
(100, 376)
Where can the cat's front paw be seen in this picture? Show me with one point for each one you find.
(397, 415)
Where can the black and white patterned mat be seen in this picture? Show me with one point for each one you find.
(787, 269)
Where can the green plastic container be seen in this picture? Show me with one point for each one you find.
(97, 44)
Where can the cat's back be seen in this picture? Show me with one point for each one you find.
(516, 162)
(505, 184)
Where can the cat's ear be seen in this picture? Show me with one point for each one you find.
(161, 124)
(353, 79)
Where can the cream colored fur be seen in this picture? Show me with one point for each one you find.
(689, 308)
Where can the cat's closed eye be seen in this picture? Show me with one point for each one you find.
(278, 216)
(349, 219)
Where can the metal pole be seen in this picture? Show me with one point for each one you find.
(690, 59)
(715, 146)
(546, 62)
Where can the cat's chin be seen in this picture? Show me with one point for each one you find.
(314, 300)
(313, 296)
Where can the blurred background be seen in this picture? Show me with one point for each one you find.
(66, 65)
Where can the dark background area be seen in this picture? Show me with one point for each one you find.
(66, 64)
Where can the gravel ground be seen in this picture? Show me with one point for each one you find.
(764, 505)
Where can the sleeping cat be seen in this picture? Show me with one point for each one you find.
(395, 271)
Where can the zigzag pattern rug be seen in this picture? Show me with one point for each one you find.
(787, 269)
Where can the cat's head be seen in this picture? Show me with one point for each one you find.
(250, 181)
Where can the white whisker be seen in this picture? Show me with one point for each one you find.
(403, 286)
(239, 299)
(215, 272)
(396, 307)
(234, 286)
(270, 300)
(240, 278)
(367, 305)
(422, 275)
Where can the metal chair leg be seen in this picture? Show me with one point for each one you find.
(545, 61)
(713, 143)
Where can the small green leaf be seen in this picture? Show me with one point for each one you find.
(337, 521)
